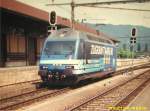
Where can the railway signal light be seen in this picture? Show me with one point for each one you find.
(51, 29)
(133, 35)
(132, 40)
(133, 32)
(53, 18)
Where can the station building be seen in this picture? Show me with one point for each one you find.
(23, 31)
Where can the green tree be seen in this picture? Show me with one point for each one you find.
(121, 53)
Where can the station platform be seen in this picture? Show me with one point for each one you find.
(141, 101)
(13, 75)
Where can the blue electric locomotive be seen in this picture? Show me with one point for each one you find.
(69, 56)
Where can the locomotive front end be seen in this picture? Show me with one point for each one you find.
(57, 61)
(57, 74)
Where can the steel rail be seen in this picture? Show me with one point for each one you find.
(19, 83)
(126, 100)
(32, 97)
(78, 106)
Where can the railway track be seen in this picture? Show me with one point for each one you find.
(116, 97)
(20, 83)
(11, 90)
(29, 98)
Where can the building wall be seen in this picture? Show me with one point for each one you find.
(22, 39)
(0, 53)
(0, 49)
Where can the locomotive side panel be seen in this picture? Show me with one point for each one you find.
(96, 58)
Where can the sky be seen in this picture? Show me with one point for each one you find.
(98, 15)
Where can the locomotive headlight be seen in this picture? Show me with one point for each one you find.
(50, 76)
(45, 67)
(69, 67)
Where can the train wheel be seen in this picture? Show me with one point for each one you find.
(41, 85)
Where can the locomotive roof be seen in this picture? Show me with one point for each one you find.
(68, 31)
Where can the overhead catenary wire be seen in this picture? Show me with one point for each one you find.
(113, 2)
(73, 5)
(118, 8)
(102, 3)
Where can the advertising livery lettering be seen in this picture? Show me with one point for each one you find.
(101, 50)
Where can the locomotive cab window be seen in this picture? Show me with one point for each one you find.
(59, 50)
